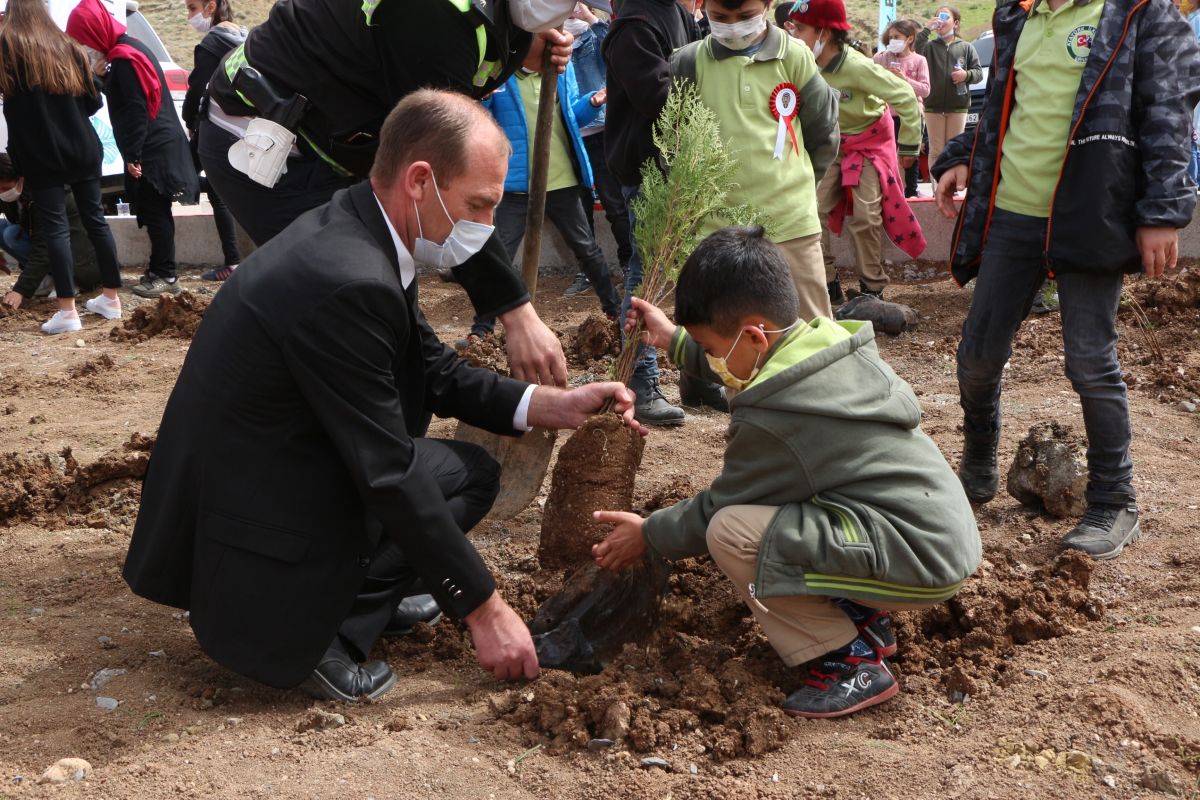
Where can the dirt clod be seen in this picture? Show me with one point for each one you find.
(170, 315)
(597, 337)
(96, 365)
(1049, 471)
(485, 351)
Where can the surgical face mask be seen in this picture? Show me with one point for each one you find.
(536, 16)
(818, 47)
(720, 366)
(896, 46)
(12, 195)
(575, 27)
(94, 56)
(466, 238)
(738, 35)
(201, 23)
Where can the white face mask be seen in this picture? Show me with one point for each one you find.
(201, 23)
(720, 366)
(575, 27)
(466, 238)
(896, 45)
(818, 47)
(12, 195)
(738, 35)
(536, 16)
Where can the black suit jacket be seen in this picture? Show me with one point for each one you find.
(286, 448)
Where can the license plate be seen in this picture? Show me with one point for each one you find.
(972, 119)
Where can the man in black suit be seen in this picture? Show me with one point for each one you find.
(292, 499)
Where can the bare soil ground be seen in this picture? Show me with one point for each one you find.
(1046, 676)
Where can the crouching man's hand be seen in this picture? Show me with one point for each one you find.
(502, 641)
(625, 546)
(555, 408)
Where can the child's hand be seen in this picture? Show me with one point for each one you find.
(657, 330)
(623, 547)
(953, 179)
(1159, 248)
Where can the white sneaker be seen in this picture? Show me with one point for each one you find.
(100, 304)
(61, 323)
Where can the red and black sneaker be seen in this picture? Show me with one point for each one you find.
(873, 624)
(840, 683)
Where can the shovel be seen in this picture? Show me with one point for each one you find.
(524, 461)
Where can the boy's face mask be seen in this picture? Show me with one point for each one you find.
(720, 366)
(14, 194)
(738, 35)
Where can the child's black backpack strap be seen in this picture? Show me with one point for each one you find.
(683, 62)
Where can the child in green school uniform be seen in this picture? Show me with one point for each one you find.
(779, 121)
(864, 188)
(832, 507)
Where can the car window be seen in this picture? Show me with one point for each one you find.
(139, 28)
(984, 48)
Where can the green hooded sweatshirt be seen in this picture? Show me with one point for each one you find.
(868, 507)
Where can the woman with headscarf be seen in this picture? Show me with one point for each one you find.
(148, 133)
(48, 96)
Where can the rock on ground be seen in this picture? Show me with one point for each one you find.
(1049, 471)
(66, 769)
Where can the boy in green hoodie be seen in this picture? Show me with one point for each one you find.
(832, 507)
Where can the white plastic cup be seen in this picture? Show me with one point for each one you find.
(122, 208)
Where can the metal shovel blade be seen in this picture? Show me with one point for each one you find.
(523, 463)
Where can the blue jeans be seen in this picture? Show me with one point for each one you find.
(1010, 274)
(15, 242)
(646, 370)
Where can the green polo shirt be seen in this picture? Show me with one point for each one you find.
(865, 90)
(1051, 53)
(738, 89)
(562, 169)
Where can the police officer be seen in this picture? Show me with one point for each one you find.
(337, 67)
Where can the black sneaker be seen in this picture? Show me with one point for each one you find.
(152, 286)
(696, 392)
(836, 295)
(1104, 530)
(862, 289)
(839, 684)
(652, 408)
(874, 625)
(581, 286)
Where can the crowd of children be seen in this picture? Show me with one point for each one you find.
(833, 507)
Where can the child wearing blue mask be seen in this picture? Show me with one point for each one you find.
(832, 507)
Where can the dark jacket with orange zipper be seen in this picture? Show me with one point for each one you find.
(1126, 162)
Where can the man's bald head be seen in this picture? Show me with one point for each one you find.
(442, 128)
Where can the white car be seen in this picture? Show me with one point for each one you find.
(985, 46)
(139, 27)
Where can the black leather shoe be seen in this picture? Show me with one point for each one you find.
(978, 471)
(651, 407)
(696, 392)
(411, 610)
(862, 289)
(337, 677)
(836, 295)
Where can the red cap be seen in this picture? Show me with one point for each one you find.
(829, 14)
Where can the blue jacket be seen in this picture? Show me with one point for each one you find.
(506, 106)
(590, 69)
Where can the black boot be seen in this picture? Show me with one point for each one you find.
(978, 471)
(836, 295)
(411, 610)
(696, 392)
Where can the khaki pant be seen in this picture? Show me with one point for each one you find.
(863, 226)
(942, 128)
(808, 273)
(800, 627)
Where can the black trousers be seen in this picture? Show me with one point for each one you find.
(226, 226)
(608, 189)
(50, 208)
(565, 211)
(154, 214)
(469, 480)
